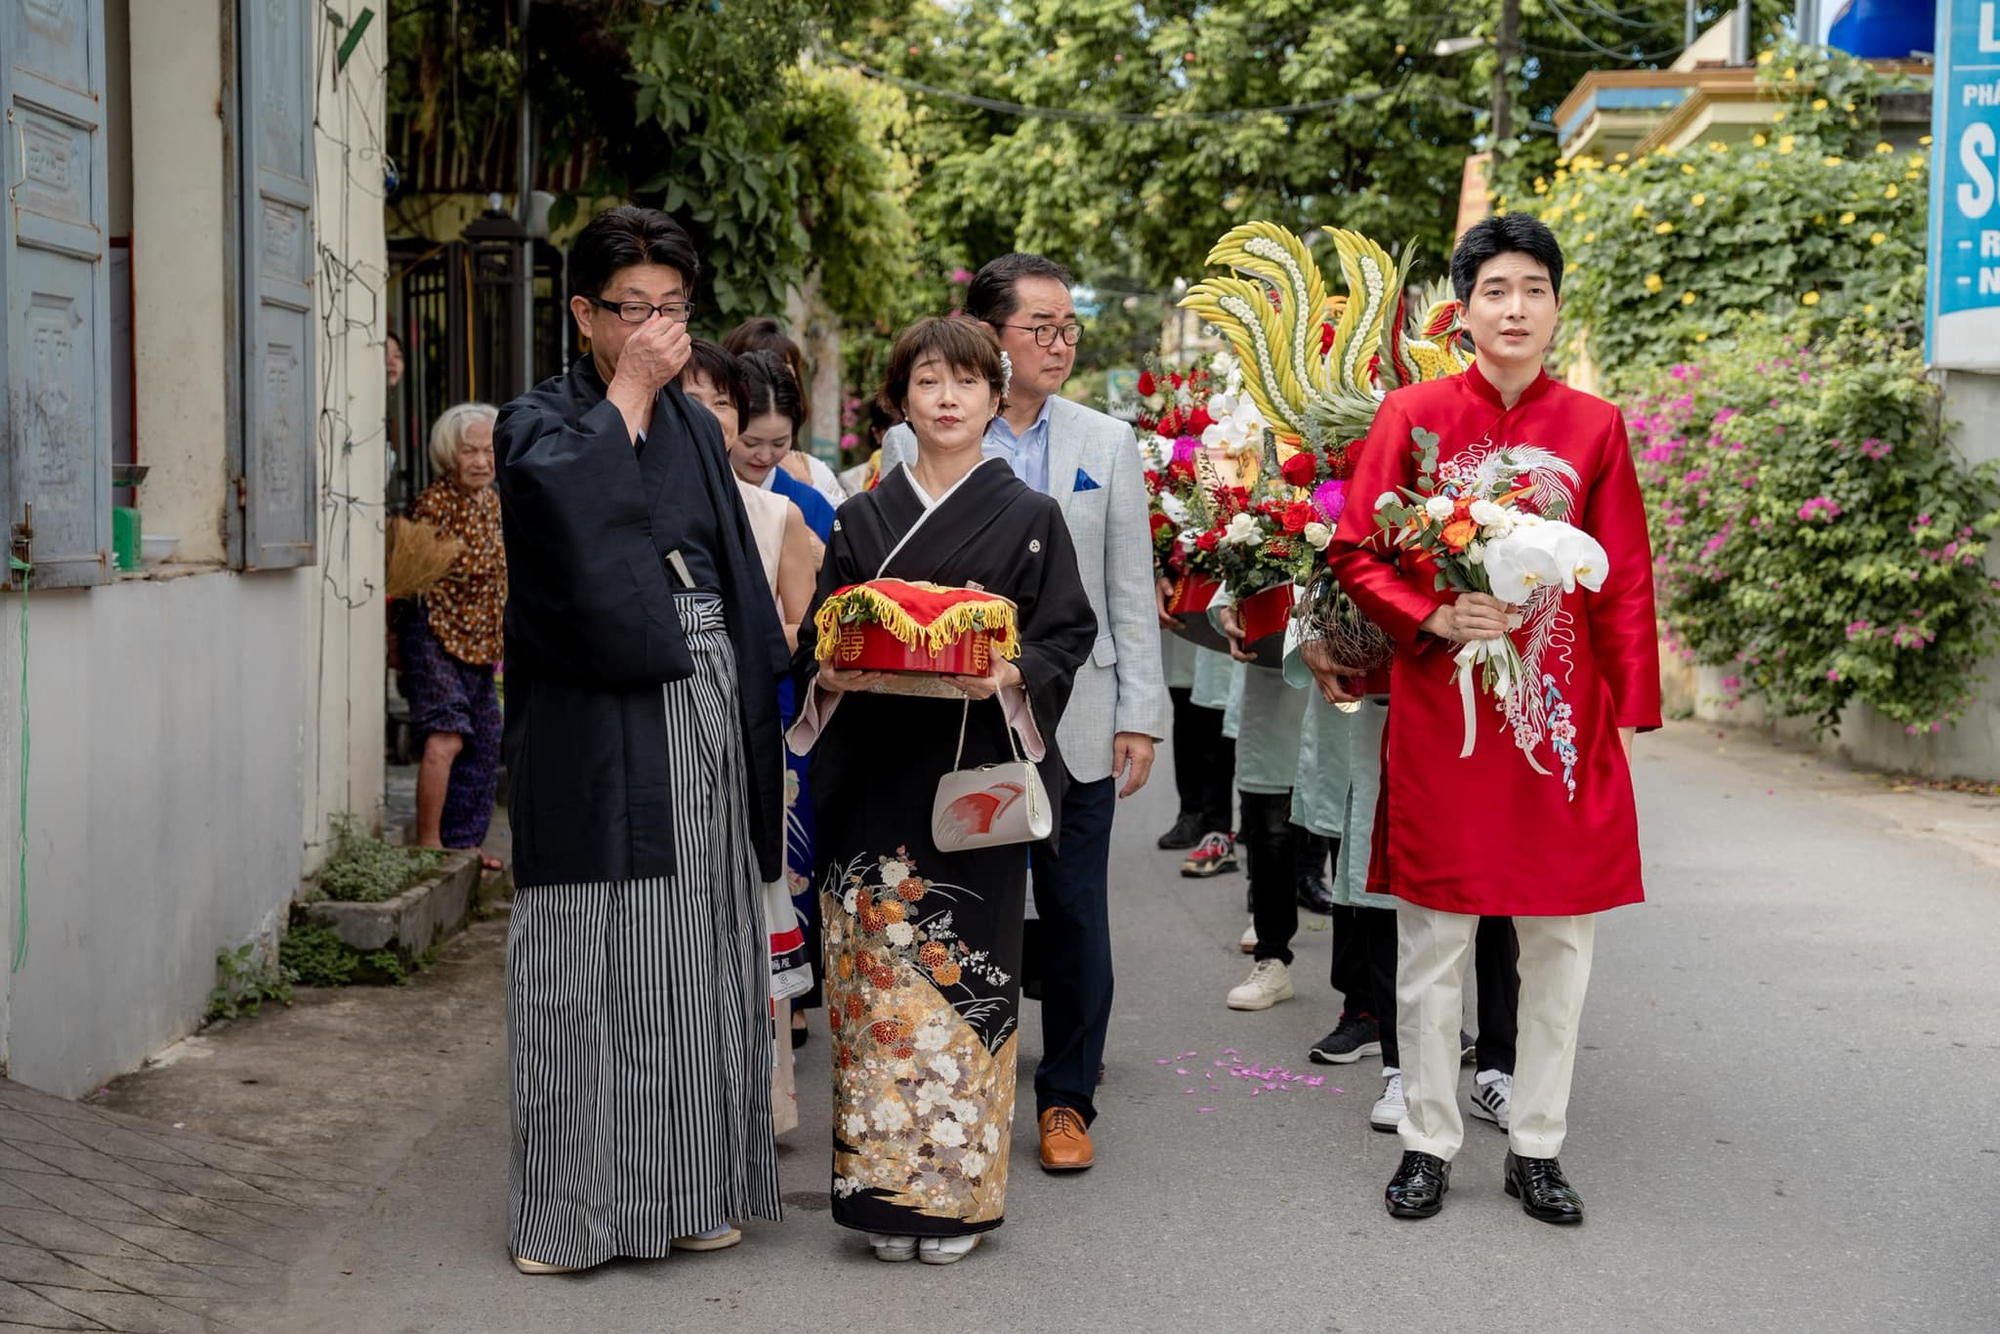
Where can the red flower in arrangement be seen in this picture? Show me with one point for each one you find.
(1180, 470)
(1160, 521)
(1152, 482)
(1176, 379)
(1326, 337)
(1148, 386)
(1298, 514)
(1300, 468)
(1169, 424)
(1458, 534)
(1209, 540)
(1197, 421)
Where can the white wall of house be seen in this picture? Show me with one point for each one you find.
(195, 728)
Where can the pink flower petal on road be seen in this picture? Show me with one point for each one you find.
(1204, 1110)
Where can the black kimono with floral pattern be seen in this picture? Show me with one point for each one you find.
(923, 947)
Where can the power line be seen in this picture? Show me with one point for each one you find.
(1555, 8)
(1623, 21)
(1161, 116)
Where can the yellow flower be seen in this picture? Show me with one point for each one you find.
(1654, 282)
(1541, 186)
(1819, 104)
(1847, 106)
(1892, 191)
(1786, 144)
(1764, 57)
(1868, 309)
(1588, 237)
(1622, 157)
(1846, 219)
(1925, 141)
(1791, 73)
(1562, 174)
(1638, 210)
(1614, 169)
(1877, 239)
(1492, 195)
(1717, 146)
(1687, 169)
(1582, 217)
(1831, 161)
(1698, 200)
(1687, 298)
(1911, 175)
(1809, 299)
(1760, 140)
(1777, 117)
(1663, 228)
(1885, 147)
(1701, 337)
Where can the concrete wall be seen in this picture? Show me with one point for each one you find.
(163, 808)
(346, 679)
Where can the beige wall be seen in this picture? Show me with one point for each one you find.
(345, 630)
(180, 292)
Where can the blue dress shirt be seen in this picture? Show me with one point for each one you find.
(1027, 453)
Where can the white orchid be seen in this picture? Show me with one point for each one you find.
(1243, 531)
(1576, 557)
(1317, 535)
(1518, 567)
(1174, 508)
(1237, 427)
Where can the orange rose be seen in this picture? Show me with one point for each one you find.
(1458, 534)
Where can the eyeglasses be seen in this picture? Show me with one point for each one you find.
(1046, 334)
(638, 312)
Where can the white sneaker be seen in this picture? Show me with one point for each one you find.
(1269, 982)
(1247, 942)
(1389, 1109)
(948, 1250)
(893, 1250)
(1492, 1096)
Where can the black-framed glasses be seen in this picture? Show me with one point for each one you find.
(638, 312)
(1046, 334)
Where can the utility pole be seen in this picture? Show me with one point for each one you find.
(1505, 48)
(1691, 29)
(1739, 47)
(524, 162)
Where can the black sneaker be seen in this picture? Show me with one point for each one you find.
(1187, 832)
(1355, 1036)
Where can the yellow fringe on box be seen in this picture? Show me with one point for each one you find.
(996, 617)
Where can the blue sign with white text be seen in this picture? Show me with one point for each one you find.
(1962, 315)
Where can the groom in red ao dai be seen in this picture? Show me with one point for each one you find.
(1537, 823)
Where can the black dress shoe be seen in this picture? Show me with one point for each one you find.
(1187, 832)
(1417, 1190)
(1544, 1193)
(1314, 896)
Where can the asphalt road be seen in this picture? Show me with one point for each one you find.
(1786, 1117)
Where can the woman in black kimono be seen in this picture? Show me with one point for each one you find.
(645, 799)
(922, 953)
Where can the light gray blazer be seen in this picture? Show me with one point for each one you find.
(1121, 688)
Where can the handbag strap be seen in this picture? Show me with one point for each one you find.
(964, 715)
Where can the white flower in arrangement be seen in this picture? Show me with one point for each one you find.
(944, 1068)
(1519, 567)
(895, 873)
(1439, 507)
(1317, 536)
(1489, 515)
(1225, 367)
(901, 934)
(1580, 559)
(931, 1095)
(948, 1133)
(1242, 531)
(890, 1114)
(1476, 553)
(1237, 428)
(1175, 509)
(855, 1125)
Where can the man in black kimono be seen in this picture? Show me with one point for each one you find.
(642, 743)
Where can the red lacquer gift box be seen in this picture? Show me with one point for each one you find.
(887, 625)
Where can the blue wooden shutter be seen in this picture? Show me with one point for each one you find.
(275, 250)
(55, 431)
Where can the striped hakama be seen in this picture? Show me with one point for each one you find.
(638, 1021)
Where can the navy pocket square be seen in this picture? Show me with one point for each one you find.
(1084, 481)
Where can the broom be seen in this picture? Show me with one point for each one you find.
(418, 556)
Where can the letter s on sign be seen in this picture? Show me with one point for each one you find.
(1976, 153)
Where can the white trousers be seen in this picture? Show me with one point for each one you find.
(1431, 953)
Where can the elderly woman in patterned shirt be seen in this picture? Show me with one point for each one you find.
(451, 639)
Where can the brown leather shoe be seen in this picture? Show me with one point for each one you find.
(1065, 1142)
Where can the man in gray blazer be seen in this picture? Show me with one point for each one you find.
(1090, 464)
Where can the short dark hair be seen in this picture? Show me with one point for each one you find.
(712, 362)
(770, 386)
(620, 237)
(764, 334)
(991, 297)
(965, 345)
(1507, 233)
(880, 421)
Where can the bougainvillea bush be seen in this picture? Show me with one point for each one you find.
(1813, 531)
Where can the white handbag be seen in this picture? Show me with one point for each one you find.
(992, 805)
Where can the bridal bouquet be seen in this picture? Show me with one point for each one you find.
(1467, 524)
